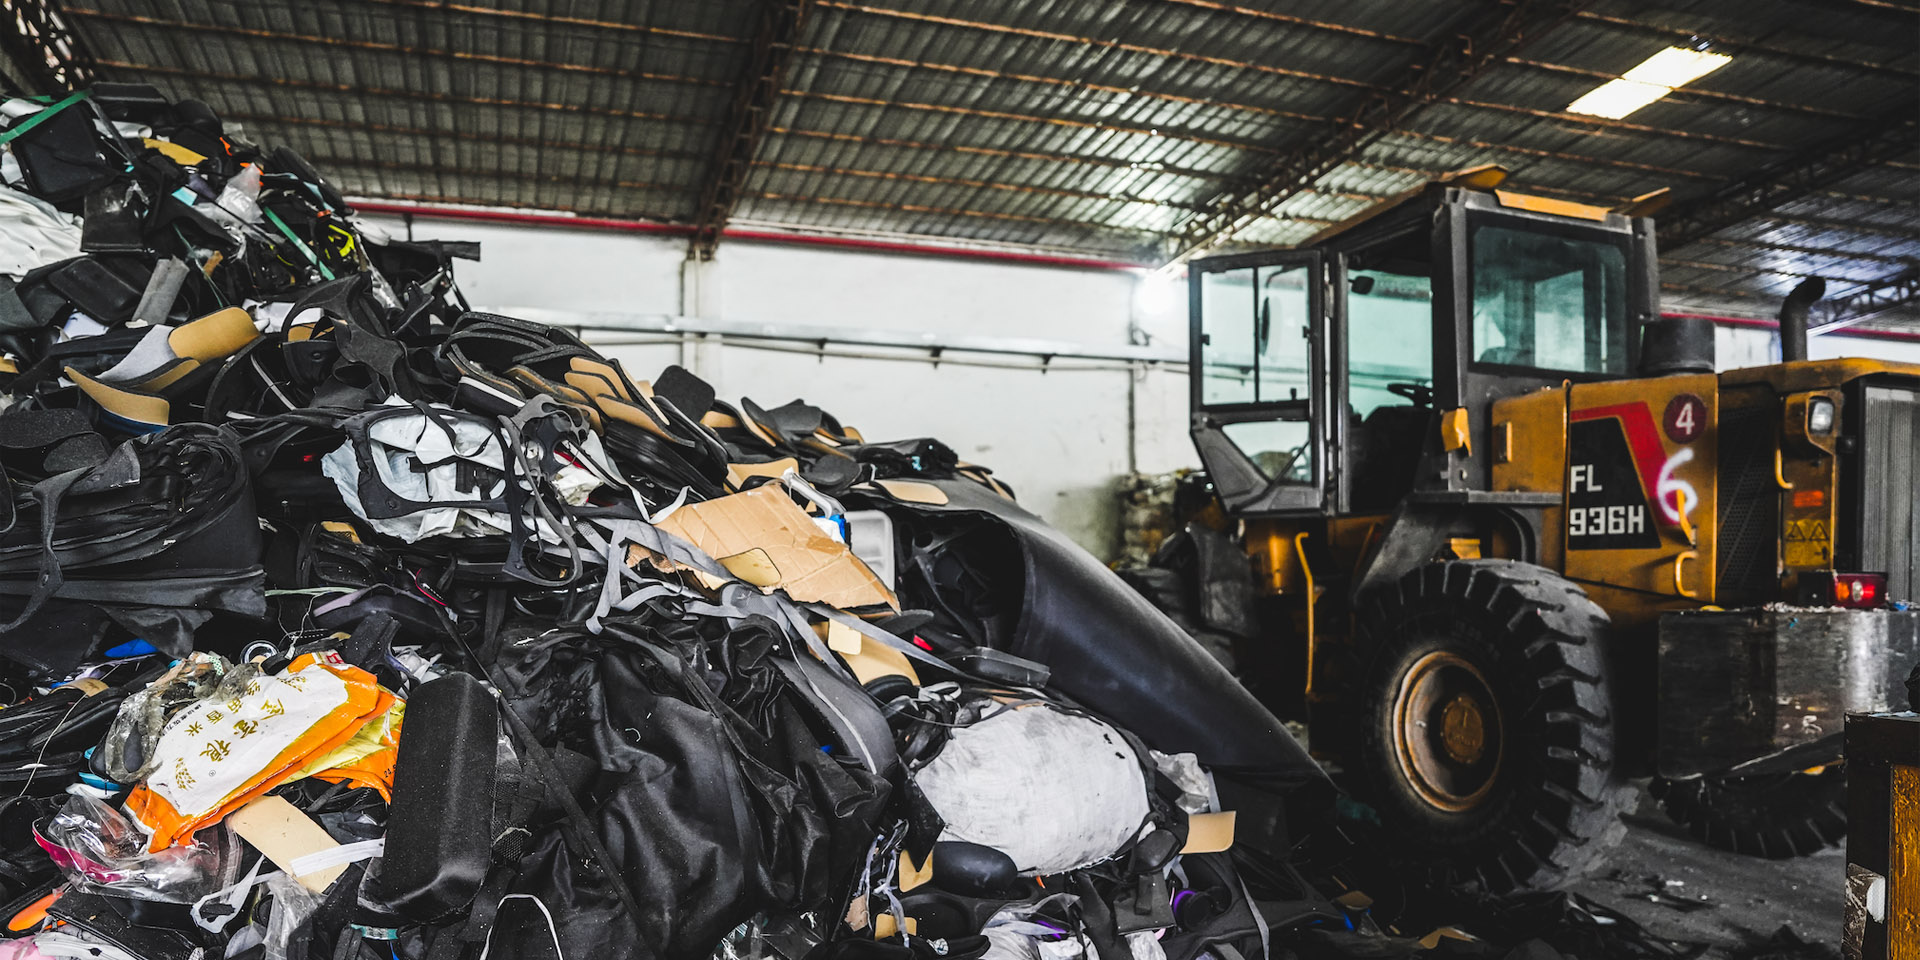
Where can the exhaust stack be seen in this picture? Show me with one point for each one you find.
(1793, 318)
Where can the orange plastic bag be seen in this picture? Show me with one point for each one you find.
(215, 756)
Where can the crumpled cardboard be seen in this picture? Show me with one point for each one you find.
(764, 538)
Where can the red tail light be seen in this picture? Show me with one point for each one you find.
(1859, 590)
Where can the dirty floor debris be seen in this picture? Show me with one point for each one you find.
(1749, 899)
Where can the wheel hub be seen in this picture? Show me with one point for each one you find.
(1447, 731)
(1463, 730)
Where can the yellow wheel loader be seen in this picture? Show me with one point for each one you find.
(1500, 535)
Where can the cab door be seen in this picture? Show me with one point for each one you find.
(1258, 376)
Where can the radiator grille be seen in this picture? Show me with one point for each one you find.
(1889, 462)
(1749, 520)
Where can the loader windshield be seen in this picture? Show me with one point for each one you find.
(1548, 300)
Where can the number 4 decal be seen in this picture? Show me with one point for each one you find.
(1686, 417)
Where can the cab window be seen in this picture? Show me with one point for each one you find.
(1548, 301)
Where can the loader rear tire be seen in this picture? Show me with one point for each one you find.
(1777, 817)
(1487, 743)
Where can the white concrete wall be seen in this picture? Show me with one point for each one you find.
(1061, 438)
(1753, 347)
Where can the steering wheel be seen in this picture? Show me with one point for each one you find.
(1419, 393)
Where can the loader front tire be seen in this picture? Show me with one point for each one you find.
(1487, 742)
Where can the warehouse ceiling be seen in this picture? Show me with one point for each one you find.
(1146, 131)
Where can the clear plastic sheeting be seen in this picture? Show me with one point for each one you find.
(33, 234)
(445, 460)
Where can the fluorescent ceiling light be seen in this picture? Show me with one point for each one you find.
(1654, 78)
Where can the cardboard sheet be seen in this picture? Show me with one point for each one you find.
(1209, 832)
(913, 491)
(284, 834)
(764, 538)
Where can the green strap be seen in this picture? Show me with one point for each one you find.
(42, 117)
(290, 235)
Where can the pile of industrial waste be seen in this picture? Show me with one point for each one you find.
(338, 620)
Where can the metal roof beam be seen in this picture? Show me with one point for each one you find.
(343, 161)
(1146, 166)
(1182, 134)
(377, 46)
(1001, 215)
(1890, 135)
(1692, 34)
(755, 91)
(1828, 252)
(554, 19)
(1751, 270)
(540, 143)
(1843, 226)
(975, 184)
(1877, 299)
(43, 48)
(398, 94)
(1077, 40)
(1691, 94)
(1489, 33)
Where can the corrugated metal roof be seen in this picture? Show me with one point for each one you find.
(1086, 124)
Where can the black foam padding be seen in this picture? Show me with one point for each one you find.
(74, 453)
(34, 429)
(972, 869)
(61, 159)
(96, 290)
(139, 102)
(14, 314)
(688, 393)
(437, 833)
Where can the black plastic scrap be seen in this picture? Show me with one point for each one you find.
(339, 620)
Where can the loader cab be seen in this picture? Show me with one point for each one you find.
(1323, 373)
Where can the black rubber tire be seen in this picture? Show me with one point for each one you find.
(1777, 817)
(1552, 809)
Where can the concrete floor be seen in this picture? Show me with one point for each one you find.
(1750, 898)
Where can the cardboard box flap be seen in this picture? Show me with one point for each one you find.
(764, 538)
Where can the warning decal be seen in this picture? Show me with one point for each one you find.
(1807, 544)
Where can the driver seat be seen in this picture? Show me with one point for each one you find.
(1383, 451)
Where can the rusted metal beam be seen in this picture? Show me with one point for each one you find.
(1090, 226)
(1892, 134)
(1718, 291)
(1692, 94)
(1842, 226)
(398, 94)
(1693, 34)
(39, 41)
(1164, 133)
(1098, 42)
(1883, 296)
(1803, 250)
(378, 46)
(1171, 53)
(1070, 83)
(971, 183)
(1752, 270)
(1562, 116)
(1004, 153)
(349, 162)
(1298, 21)
(1479, 39)
(538, 143)
(755, 90)
(554, 19)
